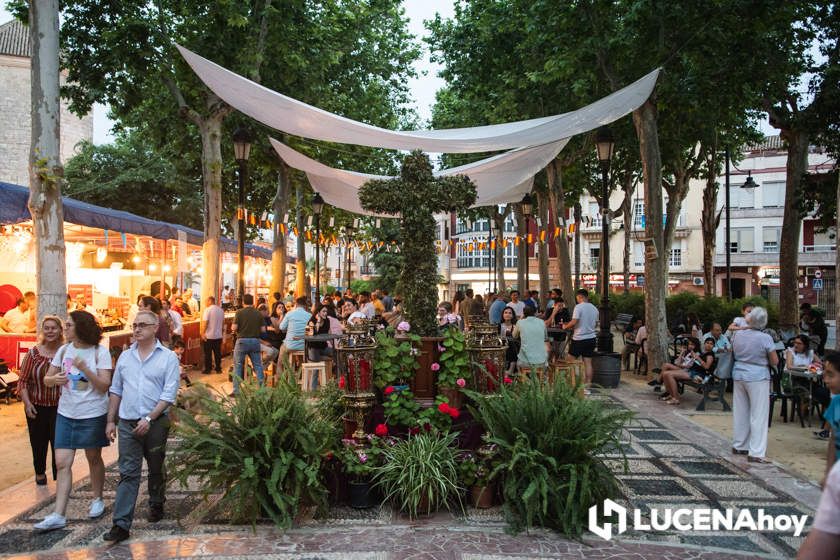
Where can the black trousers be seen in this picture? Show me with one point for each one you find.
(212, 346)
(42, 436)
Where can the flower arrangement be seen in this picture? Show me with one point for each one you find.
(479, 468)
(438, 417)
(400, 407)
(454, 364)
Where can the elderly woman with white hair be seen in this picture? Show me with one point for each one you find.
(754, 354)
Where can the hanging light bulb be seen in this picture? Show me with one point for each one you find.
(101, 254)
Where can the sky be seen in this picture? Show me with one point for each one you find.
(423, 87)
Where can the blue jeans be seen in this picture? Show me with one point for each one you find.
(246, 347)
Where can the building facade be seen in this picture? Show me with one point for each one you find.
(15, 107)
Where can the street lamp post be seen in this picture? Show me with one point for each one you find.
(348, 259)
(748, 184)
(242, 139)
(605, 145)
(527, 210)
(317, 207)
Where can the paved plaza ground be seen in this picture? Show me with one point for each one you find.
(673, 462)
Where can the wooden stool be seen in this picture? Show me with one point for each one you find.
(312, 371)
(525, 372)
(296, 359)
(568, 372)
(329, 371)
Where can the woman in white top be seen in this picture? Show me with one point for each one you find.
(799, 355)
(82, 368)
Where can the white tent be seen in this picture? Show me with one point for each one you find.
(499, 179)
(295, 117)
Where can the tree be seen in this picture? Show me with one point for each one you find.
(45, 170)
(354, 58)
(129, 175)
(417, 195)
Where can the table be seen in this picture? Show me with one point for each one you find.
(813, 379)
(326, 337)
(558, 347)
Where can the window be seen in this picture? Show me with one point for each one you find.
(773, 194)
(510, 224)
(463, 225)
(742, 240)
(473, 259)
(638, 253)
(594, 257)
(676, 257)
(770, 237)
(594, 214)
(741, 198)
(510, 255)
(638, 214)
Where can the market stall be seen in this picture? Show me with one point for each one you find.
(111, 256)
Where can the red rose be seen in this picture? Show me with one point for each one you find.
(389, 389)
(454, 413)
(508, 380)
(341, 382)
(414, 431)
(444, 408)
(381, 430)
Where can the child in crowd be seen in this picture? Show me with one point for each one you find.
(179, 349)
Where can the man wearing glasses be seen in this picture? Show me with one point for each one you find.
(145, 385)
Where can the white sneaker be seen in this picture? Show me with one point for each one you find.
(97, 508)
(51, 522)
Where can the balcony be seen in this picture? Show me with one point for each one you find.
(810, 255)
(367, 270)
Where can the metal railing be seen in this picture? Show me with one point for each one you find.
(818, 248)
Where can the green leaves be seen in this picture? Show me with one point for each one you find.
(455, 360)
(262, 453)
(551, 445)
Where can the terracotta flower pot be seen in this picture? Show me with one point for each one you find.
(453, 395)
(482, 496)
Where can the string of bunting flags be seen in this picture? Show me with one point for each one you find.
(479, 243)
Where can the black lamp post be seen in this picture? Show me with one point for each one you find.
(748, 184)
(605, 145)
(317, 207)
(527, 209)
(242, 139)
(349, 230)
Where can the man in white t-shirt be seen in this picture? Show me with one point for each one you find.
(19, 319)
(584, 319)
(177, 324)
(516, 304)
(823, 542)
(211, 329)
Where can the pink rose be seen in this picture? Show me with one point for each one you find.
(435, 366)
(461, 382)
(441, 349)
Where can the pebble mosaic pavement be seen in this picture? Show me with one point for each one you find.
(667, 468)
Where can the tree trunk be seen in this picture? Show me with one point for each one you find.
(521, 250)
(542, 200)
(210, 130)
(629, 187)
(499, 221)
(709, 222)
(279, 254)
(797, 165)
(300, 264)
(45, 170)
(558, 211)
(656, 281)
(837, 267)
(578, 214)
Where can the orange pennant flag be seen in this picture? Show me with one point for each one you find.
(556, 231)
(516, 241)
(296, 231)
(542, 236)
(530, 239)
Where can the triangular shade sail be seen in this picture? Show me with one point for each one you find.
(295, 117)
(499, 179)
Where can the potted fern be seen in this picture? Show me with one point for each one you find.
(420, 474)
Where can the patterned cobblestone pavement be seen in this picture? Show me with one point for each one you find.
(672, 463)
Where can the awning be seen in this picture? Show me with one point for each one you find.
(295, 117)
(499, 179)
(14, 209)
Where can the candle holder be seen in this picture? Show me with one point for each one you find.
(355, 355)
(487, 351)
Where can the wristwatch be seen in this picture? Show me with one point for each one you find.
(148, 419)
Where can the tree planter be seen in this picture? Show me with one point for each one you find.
(453, 395)
(481, 497)
(361, 494)
(606, 369)
(424, 384)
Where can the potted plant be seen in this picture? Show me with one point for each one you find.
(396, 357)
(477, 470)
(453, 366)
(359, 463)
(399, 405)
(420, 474)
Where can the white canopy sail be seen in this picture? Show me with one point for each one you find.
(295, 117)
(499, 179)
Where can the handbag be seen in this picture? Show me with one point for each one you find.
(725, 362)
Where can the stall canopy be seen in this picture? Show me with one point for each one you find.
(499, 179)
(13, 210)
(295, 117)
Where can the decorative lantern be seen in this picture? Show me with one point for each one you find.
(487, 355)
(354, 355)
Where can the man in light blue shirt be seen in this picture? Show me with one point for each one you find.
(294, 324)
(145, 385)
(496, 308)
(531, 331)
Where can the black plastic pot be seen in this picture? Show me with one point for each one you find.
(361, 494)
